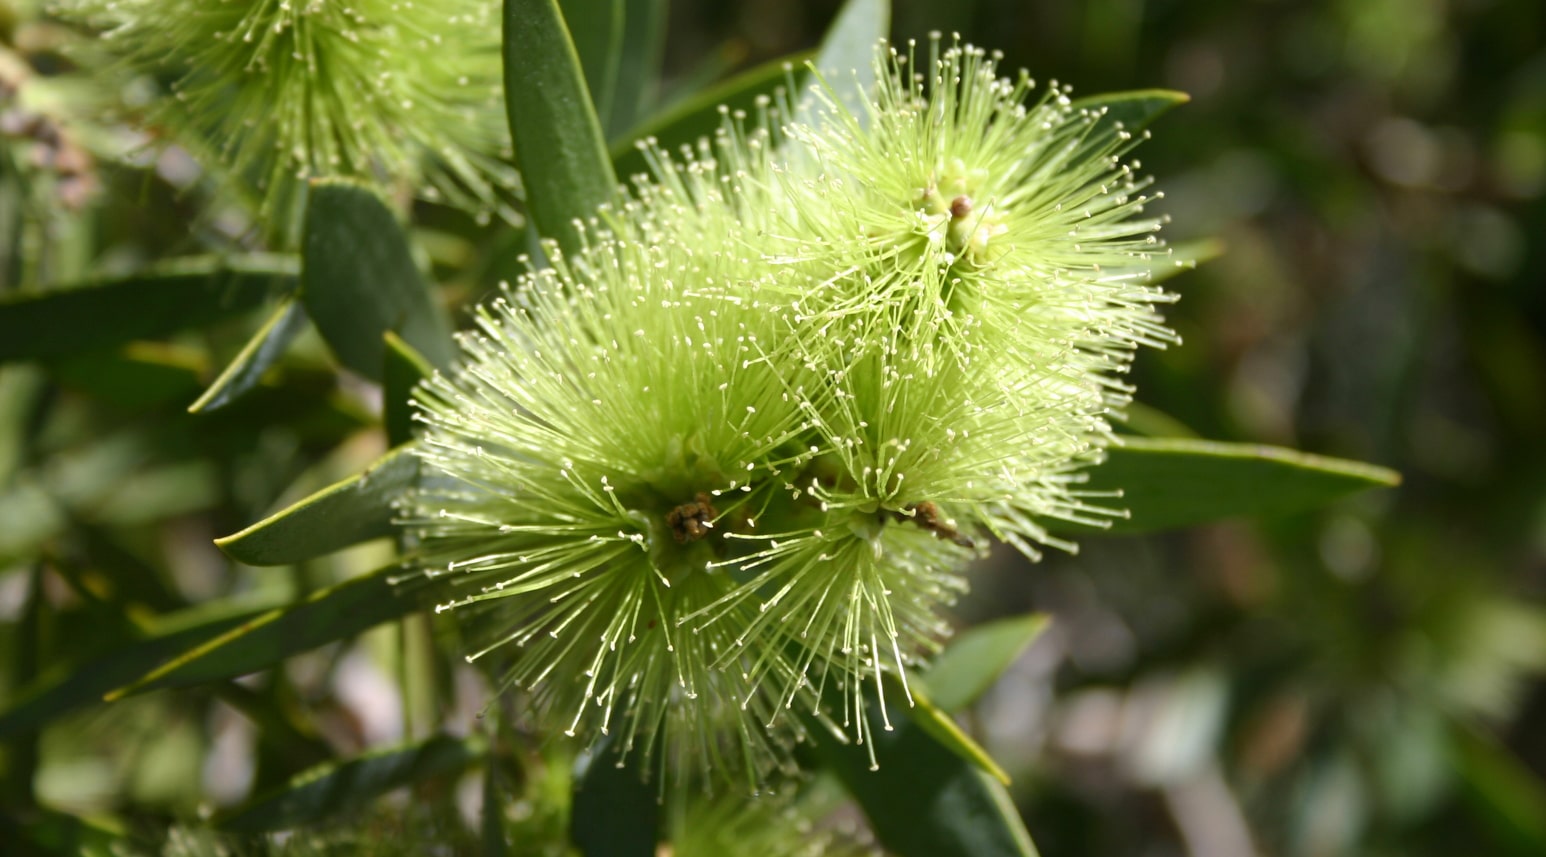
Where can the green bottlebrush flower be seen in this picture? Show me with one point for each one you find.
(734, 458)
(286, 90)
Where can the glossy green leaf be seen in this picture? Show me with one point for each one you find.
(336, 790)
(558, 142)
(404, 369)
(638, 68)
(847, 53)
(700, 116)
(976, 658)
(328, 615)
(97, 316)
(67, 688)
(358, 280)
(923, 799)
(1136, 109)
(1169, 483)
(261, 351)
(596, 26)
(934, 720)
(615, 812)
(346, 513)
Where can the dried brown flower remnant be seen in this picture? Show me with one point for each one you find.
(690, 522)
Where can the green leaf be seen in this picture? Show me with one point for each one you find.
(358, 280)
(597, 29)
(1501, 791)
(978, 656)
(558, 143)
(925, 800)
(261, 351)
(934, 720)
(638, 69)
(404, 369)
(1169, 483)
(1136, 109)
(100, 315)
(67, 688)
(700, 116)
(615, 812)
(328, 615)
(334, 790)
(139, 376)
(346, 513)
(847, 53)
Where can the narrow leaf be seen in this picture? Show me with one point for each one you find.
(638, 69)
(845, 58)
(978, 656)
(558, 143)
(1169, 483)
(65, 689)
(100, 315)
(929, 717)
(1135, 110)
(358, 280)
(925, 800)
(1502, 792)
(404, 369)
(346, 513)
(138, 376)
(597, 29)
(328, 615)
(700, 116)
(260, 352)
(335, 790)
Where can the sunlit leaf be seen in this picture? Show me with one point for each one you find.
(346, 513)
(976, 658)
(845, 58)
(260, 352)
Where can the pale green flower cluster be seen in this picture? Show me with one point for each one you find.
(399, 93)
(711, 478)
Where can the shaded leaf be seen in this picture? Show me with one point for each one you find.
(925, 800)
(615, 812)
(1168, 483)
(1502, 792)
(638, 69)
(976, 658)
(141, 375)
(404, 369)
(260, 352)
(1135, 109)
(97, 316)
(596, 26)
(700, 116)
(68, 687)
(845, 58)
(929, 717)
(346, 513)
(336, 613)
(332, 790)
(358, 280)
(558, 143)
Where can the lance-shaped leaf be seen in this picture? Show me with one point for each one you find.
(615, 811)
(1169, 483)
(845, 58)
(65, 689)
(346, 513)
(1135, 110)
(976, 658)
(404, 369)
(700, 116)
(328, 615)
(596, 26)
(186, 294)
(359, 280)
(638, 66)
(558, 142)
(334, 790)
(260, 352)
(924, 799)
